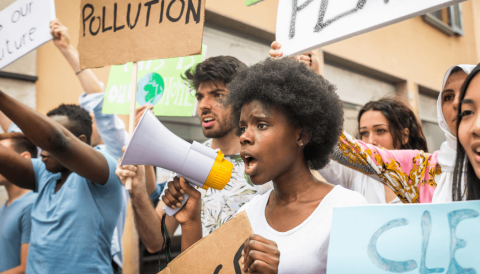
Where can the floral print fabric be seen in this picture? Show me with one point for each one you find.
(409, 173)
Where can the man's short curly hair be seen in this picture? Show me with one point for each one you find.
(308, 100)
(221, 68)
(80, 120)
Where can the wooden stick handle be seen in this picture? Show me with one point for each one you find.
(128, 183)
(131, 121)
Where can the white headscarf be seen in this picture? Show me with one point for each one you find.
(448, 150)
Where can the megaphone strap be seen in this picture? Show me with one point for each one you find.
(167, 244)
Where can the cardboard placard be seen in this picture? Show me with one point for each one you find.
(413, 238)
(219, 252)
(304, 25)
(114, 32)
(24, 26)
(159, 83)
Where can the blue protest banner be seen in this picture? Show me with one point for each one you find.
(421, 238)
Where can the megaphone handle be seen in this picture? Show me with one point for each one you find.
(128, 183)
(170, 212)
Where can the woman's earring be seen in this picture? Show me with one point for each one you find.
(301, 144)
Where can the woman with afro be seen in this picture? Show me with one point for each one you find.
(289, 120)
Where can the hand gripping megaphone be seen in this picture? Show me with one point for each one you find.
(153, 144)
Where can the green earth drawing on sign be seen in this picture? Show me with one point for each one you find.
(150, 89)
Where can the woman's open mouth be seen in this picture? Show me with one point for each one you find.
(250, 163)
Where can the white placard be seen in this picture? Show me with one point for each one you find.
(24, 26)
(304, 25)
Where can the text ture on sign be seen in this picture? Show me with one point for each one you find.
(24, 26)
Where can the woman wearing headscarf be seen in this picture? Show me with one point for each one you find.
(415, 176)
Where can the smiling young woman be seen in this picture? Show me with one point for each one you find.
(467, 165)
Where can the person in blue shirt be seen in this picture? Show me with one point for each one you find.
(15, 220)
(79, 195)
(108, 132)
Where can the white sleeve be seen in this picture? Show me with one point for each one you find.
(338, 174)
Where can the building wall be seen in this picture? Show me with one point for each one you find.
(411, 52)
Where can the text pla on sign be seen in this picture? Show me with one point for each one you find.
(304, 25)
(117, 32)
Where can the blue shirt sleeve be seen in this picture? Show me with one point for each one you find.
(14, 128)
(155, 196)
(41, 174)
(109, 126)
(26, 224)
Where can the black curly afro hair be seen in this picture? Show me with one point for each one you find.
(308, 100)
(80, 120)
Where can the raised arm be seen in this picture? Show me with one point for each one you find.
(49, 135)
(16, 169)
(109, 126)
(147, 218)
(5, 122)
(61, 39)
(410, 173)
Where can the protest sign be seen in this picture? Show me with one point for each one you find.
(422, 238)
(122, 31)
(304, 25)
(24, 26)
(217, 253)
(159, 84)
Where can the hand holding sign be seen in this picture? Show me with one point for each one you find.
(61, 38)
(260, 255)
(310, 59)
(139, 113)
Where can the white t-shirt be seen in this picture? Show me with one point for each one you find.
(303, 249)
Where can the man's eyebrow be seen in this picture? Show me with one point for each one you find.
(216, 90)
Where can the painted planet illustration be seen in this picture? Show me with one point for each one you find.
(150, 89)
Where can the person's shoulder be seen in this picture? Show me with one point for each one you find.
(105, 154)
(30, 197)
(347, 197)
(112, 163)
(40, 170)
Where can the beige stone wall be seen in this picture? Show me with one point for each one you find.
(411, 51)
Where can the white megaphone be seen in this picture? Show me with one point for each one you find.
(153, 144)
